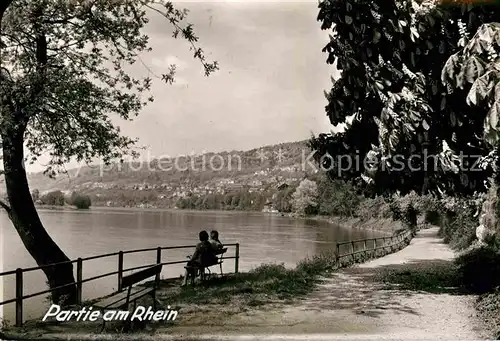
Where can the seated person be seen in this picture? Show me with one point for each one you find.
(203, 256)
(215, 242)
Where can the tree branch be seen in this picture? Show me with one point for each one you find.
(5, 207)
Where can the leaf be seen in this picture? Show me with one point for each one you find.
(474, 69)
(497, 92)
(453, 119)
(425, 125)
(494, 115)
(431, 21)
(441, 47)
(414, 33)
(472, 96)
(443, 103)
(348, 20)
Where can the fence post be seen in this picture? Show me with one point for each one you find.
(19, 297)
(337, 255)
(79, 278)
(158, 261)
(120, 270)
(237, 258)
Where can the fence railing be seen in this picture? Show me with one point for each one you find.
(20, 297)
(370, 246)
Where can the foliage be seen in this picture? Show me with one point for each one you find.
(337, 198)
(477, 63)
(392, 55)
(305, 198)
(55, 198)
(480, 268)
(283, 199)
(377, 207)
(237, 200)
(489, 223)
(459, 219)
(35, 194)
(85, 48)
(81, 201)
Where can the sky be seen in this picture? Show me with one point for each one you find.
(269, 88)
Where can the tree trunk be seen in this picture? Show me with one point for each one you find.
(25, 218)
(22, 210)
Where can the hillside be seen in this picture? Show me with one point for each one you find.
(161, 183)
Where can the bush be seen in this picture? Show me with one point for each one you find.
(81, 201)
(479, 268)
(55, 198)
(376, 207)
(337, 197)
(459, 222)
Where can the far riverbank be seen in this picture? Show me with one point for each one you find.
(384, 225)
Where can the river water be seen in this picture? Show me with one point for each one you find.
(263, 238)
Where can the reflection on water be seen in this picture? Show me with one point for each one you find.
(264, 238)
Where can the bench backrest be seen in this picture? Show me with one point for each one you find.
(221, 252)
(136, 277)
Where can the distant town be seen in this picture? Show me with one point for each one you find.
(255, 184)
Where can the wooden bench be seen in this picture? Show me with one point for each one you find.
(200, 270)
(122, 299)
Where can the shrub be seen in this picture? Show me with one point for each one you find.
(81, 201)
(459, 222)
(376, 207)
(337, 197)
(479, 268)
(53, 198)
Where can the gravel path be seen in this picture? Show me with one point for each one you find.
(405, 295)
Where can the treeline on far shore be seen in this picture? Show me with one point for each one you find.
(313, 195)
(58, 198)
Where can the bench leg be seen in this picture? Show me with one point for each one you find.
(103, 323)
(154, 299)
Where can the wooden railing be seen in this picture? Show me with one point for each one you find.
(367, 248)
(18, 300)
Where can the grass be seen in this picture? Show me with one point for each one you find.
(488, 306)
(264, 284)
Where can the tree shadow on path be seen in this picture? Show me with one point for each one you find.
(372, 291)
